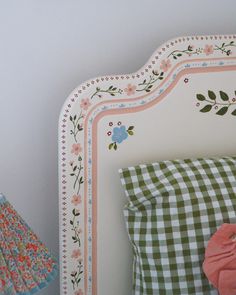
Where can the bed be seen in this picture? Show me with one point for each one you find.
(180, 104)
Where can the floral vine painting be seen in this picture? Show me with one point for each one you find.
(224, 48)
(157, 75)
(76, 173)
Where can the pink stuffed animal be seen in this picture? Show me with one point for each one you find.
(220, 259)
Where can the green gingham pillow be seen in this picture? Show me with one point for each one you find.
(174, 207)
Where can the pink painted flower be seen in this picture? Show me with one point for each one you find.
(76, 200)
(79, 292)
(208, 49)
(85, 104)
(76, 149)
(130, 89)
(76, 254)
(165, 65)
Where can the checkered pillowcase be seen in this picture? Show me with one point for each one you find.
(174, 207)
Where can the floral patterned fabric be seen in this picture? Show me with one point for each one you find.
(26, 265)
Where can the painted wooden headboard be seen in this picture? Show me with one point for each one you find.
(181, 104)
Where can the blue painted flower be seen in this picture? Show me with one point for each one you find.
(119, 134)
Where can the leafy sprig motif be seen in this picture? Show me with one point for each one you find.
(113, 145)
(223, 103)
(225, 47)
(147, 84)
(75, 226)
(119, 134)
(77, 275)
(188, 51)
(77, 125)
(112, 90)
(76, 173)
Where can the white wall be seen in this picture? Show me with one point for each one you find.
(49, 47)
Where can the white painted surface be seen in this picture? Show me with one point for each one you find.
(177, 130)
(47, 48)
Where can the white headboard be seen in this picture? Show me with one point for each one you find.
(181, 104)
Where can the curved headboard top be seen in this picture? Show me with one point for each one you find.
(181, 103)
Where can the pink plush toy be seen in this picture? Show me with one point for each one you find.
(220, 259)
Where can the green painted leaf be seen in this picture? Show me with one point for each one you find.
(71, 222)
(179, 54)
(110, 88)
(206, 108)
(234, 113)
(222, 111)
(115, 146)
(224, 96)
(111, 146)
(200, 97)
(71, 118)
(130, 132)
(131, 128)
(75, 213)
(80, 128)
(74, 274)
(211, 95)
